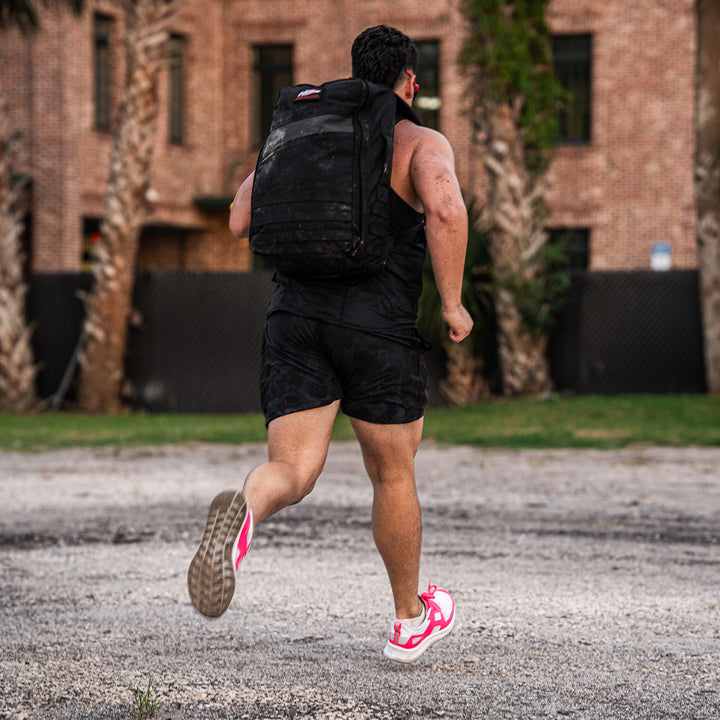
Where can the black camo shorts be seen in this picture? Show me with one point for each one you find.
(309, 363)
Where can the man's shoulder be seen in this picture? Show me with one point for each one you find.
(407, 128)
(421, 138)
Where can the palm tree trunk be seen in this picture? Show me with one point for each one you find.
(108, 306)
(522, 355)
(707, 183)
(17, 368)
(517, 239)
(464, 383)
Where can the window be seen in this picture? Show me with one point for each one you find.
(272, 71)
(91, 236)
(176, 90)
(103, 72)
(427, 103)
(572, 57)
(574, 244)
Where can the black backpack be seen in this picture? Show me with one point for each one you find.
(320, 198)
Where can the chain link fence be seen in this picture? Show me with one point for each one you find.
(195, 338)
(629, 332)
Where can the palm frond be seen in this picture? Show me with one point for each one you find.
(25, 15)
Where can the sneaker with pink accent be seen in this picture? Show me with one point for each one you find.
(406, 643)
(225, 542)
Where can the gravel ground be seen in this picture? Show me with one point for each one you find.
(587, 585)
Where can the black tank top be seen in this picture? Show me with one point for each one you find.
(384, 303)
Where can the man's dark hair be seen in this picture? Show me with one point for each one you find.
(381, 54)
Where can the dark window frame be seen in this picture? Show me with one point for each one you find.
(575, 242)
(573, 63)
(428, 102)
(273, 69)
(176, 89)
(103, 27)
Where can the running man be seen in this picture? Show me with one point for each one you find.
(352, 344)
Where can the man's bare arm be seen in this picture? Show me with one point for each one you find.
(432, 172)
(240, 208)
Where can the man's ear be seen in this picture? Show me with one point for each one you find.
(407, 92)
(413, 83)
(409, 89)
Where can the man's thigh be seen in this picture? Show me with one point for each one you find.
(301, 439)
(389, 450)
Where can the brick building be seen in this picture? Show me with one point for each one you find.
(621, 179)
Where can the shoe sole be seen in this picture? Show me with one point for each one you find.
(211, 576)
(401, 655)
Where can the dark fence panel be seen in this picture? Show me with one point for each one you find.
(196, 347)
(630, 332)
(56, 309)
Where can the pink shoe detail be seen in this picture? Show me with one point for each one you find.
(244, 540)
(398, 629)
(407, 643)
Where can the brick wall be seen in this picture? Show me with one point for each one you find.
(631, 186)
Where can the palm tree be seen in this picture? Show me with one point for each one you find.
(707, 182)
(108, 305)
(507, 57)
(17, 368)
(24, 15)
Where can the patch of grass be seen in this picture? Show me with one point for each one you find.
(146, 704)
(59, 430)
(583, 421)
(589, 421)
